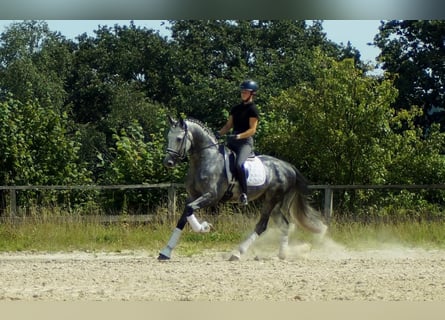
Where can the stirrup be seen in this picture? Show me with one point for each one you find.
(243, 199)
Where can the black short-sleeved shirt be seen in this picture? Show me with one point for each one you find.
(241, 114)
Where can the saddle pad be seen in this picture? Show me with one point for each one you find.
(255, 171)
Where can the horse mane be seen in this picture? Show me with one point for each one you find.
(202, 125)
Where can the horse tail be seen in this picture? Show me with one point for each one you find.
(300, 208)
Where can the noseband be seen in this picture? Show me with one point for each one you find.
(181, 153)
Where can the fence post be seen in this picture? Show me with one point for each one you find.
(171, 202)
(328, 204)
(12, 203)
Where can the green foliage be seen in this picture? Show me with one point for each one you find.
(37, 150)
(414, 51)
(119, 56)
(390, 206)
(379, 235)
(95, 110)
(137, 161)
(34, 63)
(417, 159)
(136, 158)
(213, 57)
(52, 235)
(35, 146)
(65, 231)
(115, 77)
(338, 124)
(343, 130)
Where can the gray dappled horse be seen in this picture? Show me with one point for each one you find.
(207, 183)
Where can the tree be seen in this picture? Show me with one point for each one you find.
(125, 55)
(341, 128)
(136, 159)
(212, 57)
(38, 142)
(34, 63)
(36, 148)
(417, 159)
(338, 124)
(414, 51)
(115, 77)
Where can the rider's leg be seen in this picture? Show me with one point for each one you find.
(243, 152)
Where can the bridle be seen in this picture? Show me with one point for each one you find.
(181, 153)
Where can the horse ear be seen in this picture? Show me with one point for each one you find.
(182, 122)
(171, 120)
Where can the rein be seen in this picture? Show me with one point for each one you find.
(206, 147)
(181, 154)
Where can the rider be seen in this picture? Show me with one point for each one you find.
(243, 119)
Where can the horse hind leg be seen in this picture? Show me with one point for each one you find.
(260, 227)
(243, 247)
(283, 224)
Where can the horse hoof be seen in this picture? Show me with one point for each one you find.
(235, 257)
(282, 256)
(163, 257)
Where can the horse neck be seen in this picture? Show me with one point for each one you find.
(200, 136)
(203, 142)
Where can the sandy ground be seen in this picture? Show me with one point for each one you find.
(327, 272)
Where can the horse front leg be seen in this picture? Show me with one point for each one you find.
(188, 216)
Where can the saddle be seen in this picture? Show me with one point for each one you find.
(253, 166)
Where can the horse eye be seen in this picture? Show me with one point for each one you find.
(178, 139)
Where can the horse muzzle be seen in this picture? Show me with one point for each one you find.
(169, 161)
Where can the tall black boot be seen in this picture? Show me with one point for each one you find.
(243, 186)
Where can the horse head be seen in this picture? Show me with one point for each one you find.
(178, 141)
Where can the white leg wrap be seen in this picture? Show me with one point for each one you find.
(247, 243)
(174, 239)
(194, 223)
(283, 247)
(171, 244)
(284, 242)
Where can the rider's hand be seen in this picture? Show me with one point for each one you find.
(233, 136)
(217, 135)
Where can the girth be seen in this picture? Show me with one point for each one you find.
(229, 175)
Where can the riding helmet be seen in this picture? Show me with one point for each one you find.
(249, 85)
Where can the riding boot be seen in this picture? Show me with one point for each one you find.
(243, 186)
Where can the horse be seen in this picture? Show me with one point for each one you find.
(209, 182)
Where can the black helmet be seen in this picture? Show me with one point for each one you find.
(249, 85)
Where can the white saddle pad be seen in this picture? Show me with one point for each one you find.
(256, 173)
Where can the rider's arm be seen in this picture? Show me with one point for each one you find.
(253, 122)
(227, 126)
